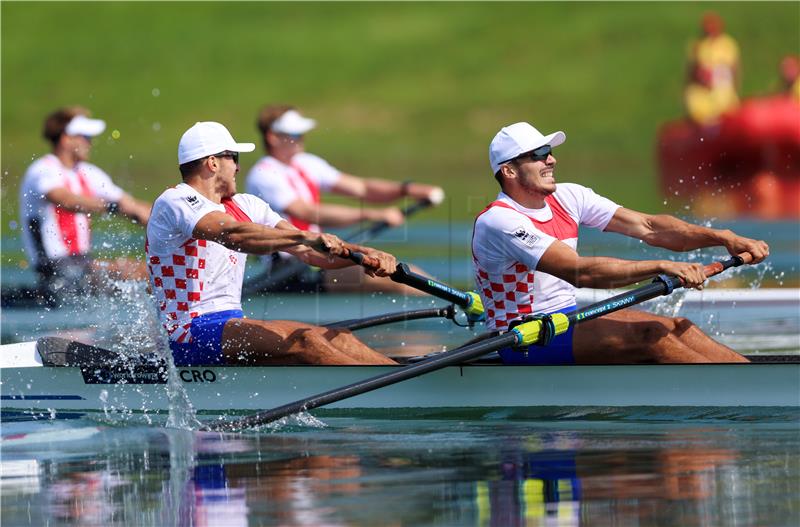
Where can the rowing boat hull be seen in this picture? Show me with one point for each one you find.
(31, 386)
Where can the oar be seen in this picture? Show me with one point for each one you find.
(268, 280)
(389, 318)
(524, 334)
(469, 301)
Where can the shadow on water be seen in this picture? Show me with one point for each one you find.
(388, 472)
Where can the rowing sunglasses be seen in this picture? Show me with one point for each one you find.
(537, 154)
(231, 155)
(291, 137)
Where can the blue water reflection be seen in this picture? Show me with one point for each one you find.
(386, 472)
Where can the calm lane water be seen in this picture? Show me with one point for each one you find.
(483, 472)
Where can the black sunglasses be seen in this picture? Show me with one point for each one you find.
(537, 154)
(231, 155)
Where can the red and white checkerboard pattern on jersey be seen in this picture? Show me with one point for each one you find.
(508, 295)
(178, 285)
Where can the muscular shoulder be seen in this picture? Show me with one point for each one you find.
(584, 205)
(499, 219)
(257, 209)
(44, 166)
(313, 163)
(251, 204)
(575, 196)
(179, 197)
(266, 165)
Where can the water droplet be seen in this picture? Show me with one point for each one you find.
(156, 92)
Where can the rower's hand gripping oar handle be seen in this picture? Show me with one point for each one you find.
(714, 268)
(469, 301)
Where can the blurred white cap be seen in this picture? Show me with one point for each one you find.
(82, 125)
(292, 122)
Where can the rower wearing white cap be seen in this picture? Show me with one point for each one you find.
(198, 239)
(524, 251)
(292, 180)
(59, 193)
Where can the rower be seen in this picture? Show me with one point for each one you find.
(524, 253)
(59, 193)
(197, 241)
(292, 180)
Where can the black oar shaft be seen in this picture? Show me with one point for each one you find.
(404, 275)
(399, 374)
(389, 318)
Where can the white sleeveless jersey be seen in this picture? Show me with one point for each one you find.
(303, 179)
(50, 232)
(192, 277)
(508, 241)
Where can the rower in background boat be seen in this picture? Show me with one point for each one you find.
(59, 193)
(524, 252)
(197, 242)
(292, 180)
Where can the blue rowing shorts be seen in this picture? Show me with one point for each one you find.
(559, 351)
(205, 348)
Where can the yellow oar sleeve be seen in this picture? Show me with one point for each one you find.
(529, 332)
(475, 307)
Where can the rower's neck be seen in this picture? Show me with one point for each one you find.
(67, 158)
(526, 199)
(283, 157)
(207, 187)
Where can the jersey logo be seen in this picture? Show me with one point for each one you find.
(527, 238)
(193, 201)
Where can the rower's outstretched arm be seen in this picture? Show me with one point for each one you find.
(329, 215)
(562, 261)
(127, 205)
(662, 230)
(254, 238)
(311, 247)
(374, 190)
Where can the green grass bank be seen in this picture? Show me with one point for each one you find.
(401, 90)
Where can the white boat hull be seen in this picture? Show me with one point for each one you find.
(29, 386)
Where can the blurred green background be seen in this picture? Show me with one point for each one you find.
(401, 90)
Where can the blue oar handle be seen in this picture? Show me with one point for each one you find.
(357, 257)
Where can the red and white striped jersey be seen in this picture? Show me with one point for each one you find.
(508, 240)
(280, 184)
(192, 277)
(50, 232)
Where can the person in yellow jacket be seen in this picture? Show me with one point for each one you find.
(711, 90)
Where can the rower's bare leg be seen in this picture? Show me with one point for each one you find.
(354, 280)
(633, 336)
(693, 336)
(258, 342)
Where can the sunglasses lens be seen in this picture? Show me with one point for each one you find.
(542, 152)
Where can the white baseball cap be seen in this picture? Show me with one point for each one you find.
(517, 139)
(292, 122)
(208, 138)
(82, 125)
